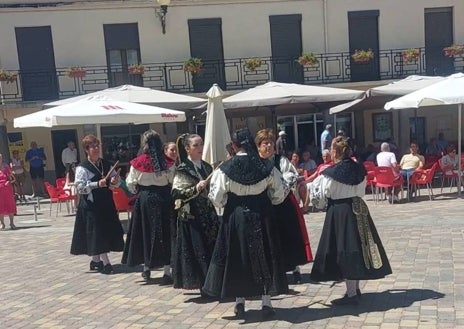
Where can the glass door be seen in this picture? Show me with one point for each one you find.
(119, 62)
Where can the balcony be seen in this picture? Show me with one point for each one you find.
(230, 74)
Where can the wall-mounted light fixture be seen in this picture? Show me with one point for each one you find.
(161, 12)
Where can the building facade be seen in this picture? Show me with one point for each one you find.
(65, 48)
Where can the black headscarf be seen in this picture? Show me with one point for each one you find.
(249, 169)
(155, 151)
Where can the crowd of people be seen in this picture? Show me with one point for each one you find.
(230, 231)
(234, 230)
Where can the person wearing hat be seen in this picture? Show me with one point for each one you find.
(326, 137)
(281, 143)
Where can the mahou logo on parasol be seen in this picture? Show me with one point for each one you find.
(169, 116)
(112, 107)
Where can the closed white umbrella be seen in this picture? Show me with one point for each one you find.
(449, 91)
(217, 134)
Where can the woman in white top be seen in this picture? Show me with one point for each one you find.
(350, 248)
(247, 257)
(149, 237)
(290, 220)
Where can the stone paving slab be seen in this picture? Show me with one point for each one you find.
(43, 286)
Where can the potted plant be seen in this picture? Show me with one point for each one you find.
(7, 76)
(75, 72)
(193, 65)
(253, 63)
(136, 69)
(362, 56)
(308, 59)
(410, 55)
(454, 51)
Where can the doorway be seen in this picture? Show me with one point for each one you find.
(286, 47)
(37, 63)
(417, 131)
(206, 43)
(60, 139)
(363, 30)
(438, 35)
(122, 51)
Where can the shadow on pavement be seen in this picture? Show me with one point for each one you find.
(22, 227)
(370, 302)
(121, 268)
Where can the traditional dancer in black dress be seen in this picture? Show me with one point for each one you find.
(350, 248)
(247, 258)
(197, 222)
(97, 229)
(290, 218)
(149, 239)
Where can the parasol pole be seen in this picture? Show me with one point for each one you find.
(99, 136)
(459, 150)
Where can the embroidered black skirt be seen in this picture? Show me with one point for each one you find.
(97, 228)
(149, 238)
(339, 254)
(194, 246)
(247, 258)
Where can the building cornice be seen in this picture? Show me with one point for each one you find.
(35, 6)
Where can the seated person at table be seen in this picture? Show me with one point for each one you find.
(388, 159)
(303, 187)
(410, 162)
(450, 161)
(308, 164)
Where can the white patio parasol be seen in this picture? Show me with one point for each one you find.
(98, 110)
(276, 93)
(217, 134)
(141, 95)
(397, 88)
(449, 91)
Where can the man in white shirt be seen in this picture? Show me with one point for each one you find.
(388, 159)
(69, 156)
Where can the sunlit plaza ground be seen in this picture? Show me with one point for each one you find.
(43, 286)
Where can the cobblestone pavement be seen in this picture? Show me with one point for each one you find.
(43, 286)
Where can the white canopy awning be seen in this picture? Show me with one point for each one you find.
(275, 93)
(98, 110)
(397, 88)
(142, 95)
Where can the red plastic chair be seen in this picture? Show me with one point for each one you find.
(423, 177)
(386, 178)
(60, 183)
(121, 201)
(369, 165)
(370, 176)
(57, 196)
(448, 174)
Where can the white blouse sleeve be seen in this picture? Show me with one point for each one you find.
(83, 182)
(219, 187)
(132, 179)
(277, 188)
(288, 171)
(320, 191)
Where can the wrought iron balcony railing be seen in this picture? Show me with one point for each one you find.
(230, 74)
